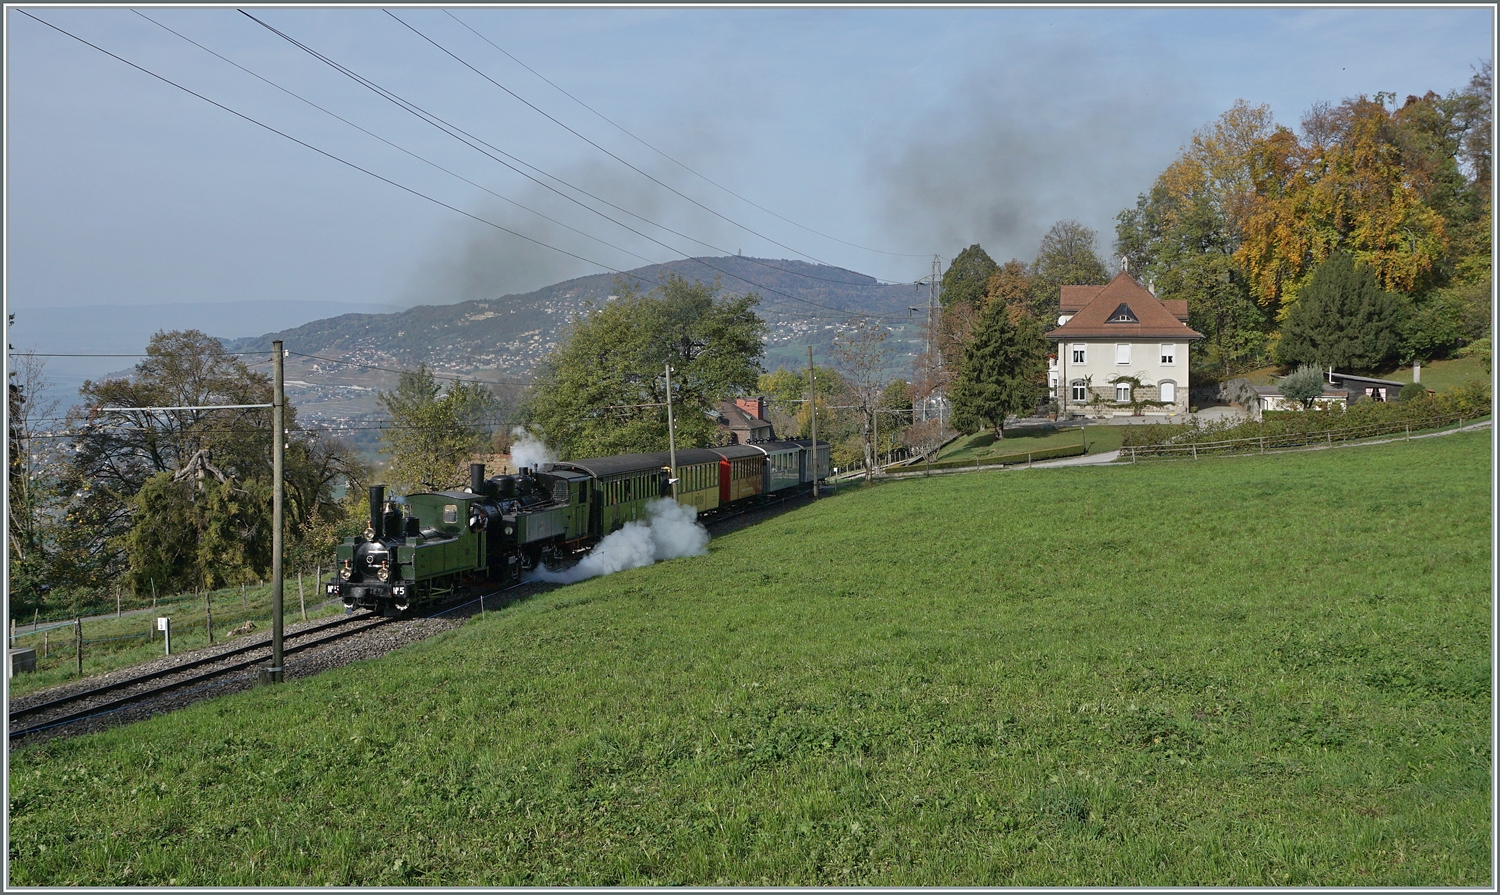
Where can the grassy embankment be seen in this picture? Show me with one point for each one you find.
(984, 444)
(1265, 671)
(112, 643)
(1438, 375)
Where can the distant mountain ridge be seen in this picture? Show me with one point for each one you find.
(510, 334)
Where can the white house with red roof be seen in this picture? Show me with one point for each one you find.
(1120, 349)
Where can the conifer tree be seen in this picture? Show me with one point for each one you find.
(1003, 372)
(1342, 319)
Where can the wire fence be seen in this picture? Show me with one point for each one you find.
(1291, 440)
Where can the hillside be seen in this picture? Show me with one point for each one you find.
(502, 339)
(1256, 692)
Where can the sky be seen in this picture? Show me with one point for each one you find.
(866, 138)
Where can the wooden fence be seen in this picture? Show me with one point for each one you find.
(1288, 440)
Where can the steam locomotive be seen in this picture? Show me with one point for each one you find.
(504, 526)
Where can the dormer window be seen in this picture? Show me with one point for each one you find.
(1122, 314)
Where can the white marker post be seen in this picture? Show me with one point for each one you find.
(164, 625)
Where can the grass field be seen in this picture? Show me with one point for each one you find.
(1250, 671)
(112, 643)
(985, 444)
(1438, 375)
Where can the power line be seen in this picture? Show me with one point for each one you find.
(471, 140)
(395, 146)
(617, 158)
(321, 152)
(370, 173)
(668, 157)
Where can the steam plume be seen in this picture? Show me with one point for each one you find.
(529, 451)
(672, 530)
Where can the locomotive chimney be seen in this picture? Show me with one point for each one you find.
(377, 497)
(476, 478)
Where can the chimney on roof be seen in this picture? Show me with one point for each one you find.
(755, 407)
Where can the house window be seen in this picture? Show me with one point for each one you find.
(1080, 354)
(1122, 354)
(1122, 314)
(1168, 355)
(1122, 392)
(1079, 390)
(1168, 390)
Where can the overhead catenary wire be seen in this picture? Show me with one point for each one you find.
(319, 151)
(389, 143)
(387, 180)
(669, 158)
(602, 149)
(476, 143)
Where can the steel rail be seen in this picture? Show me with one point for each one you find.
(111, 705)
(145, 678)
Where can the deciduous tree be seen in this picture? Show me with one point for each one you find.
(434, 428)
(603, 390)
(861, 351)
(965, 279)
(1067, 257)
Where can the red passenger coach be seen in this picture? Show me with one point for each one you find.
(741, 472)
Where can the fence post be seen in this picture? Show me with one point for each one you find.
(1408, 431)
(12, 632)
(78, 642)
(1330, 437)
(153, 593)
(117, 601)
(1132, 455)
(208, 613)
(46, 643)
(1263, 444)
(244, 600)
(1195, 450)
(301, 601)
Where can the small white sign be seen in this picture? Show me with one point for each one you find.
(161, 623)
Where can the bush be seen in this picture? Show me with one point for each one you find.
(1471, 400)
(1412, 390)
(1303, 385)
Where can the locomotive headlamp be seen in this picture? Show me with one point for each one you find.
(369, 534)
(347, 571)
(385, 572)
(510, 529)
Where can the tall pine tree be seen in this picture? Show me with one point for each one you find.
(1343, 319)
(1004, 370)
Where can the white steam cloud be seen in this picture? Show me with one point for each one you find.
(671, 530)
(529, 451)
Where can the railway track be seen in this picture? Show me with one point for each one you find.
(111, 703)
(143, 688)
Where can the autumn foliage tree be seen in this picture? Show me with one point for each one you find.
(1240, 220)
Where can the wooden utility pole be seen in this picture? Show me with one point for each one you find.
(812, 404)
(671, 440)
(278, 448)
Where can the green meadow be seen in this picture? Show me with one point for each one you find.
(1252, 671)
